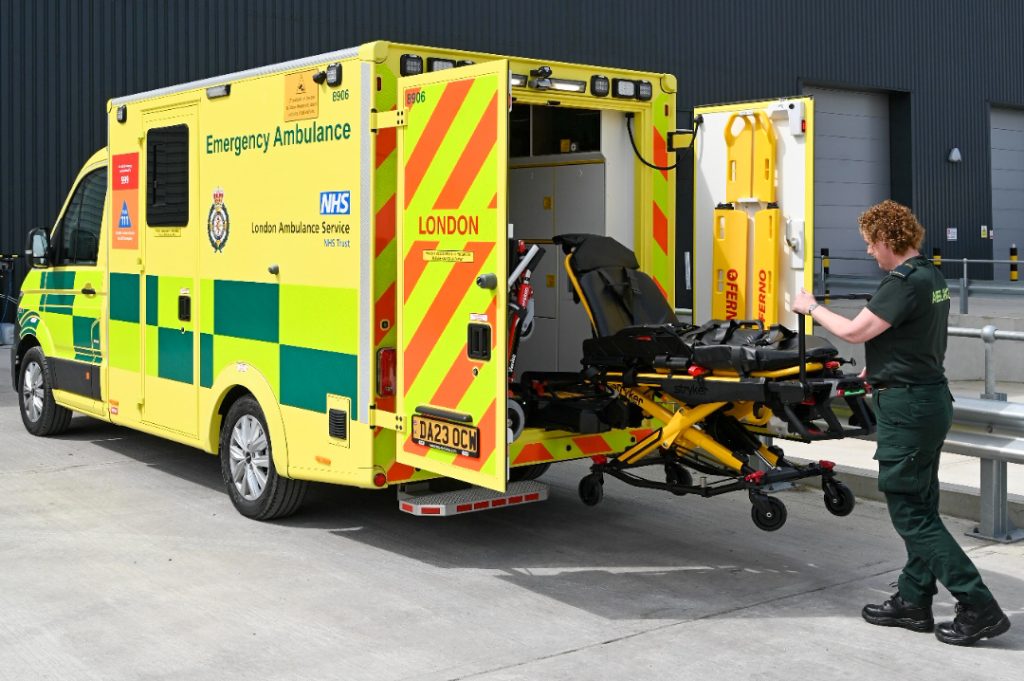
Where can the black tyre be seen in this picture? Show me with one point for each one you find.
(592, 489)
(839, 499)
(676, 474)
(40, 413)
(531, 472)
(768, 513)
(247, 465)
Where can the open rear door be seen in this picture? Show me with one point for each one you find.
(753, 209)
(452, 280)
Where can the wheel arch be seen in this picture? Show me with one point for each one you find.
(231, 386)
(24, 345)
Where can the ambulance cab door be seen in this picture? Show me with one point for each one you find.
(753, 209)
(169, 233)
(452, 276)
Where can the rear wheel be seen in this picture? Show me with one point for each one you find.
(247, 465)
(677, 475)
(591, 489)
(40, 413)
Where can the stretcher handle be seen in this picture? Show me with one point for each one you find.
(850, 296)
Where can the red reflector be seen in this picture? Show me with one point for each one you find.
(380, 480)
(827, 465)
(498, 502)
(803, 126)
(533, 496)
(646, 339)
(600, 459)
(809, 402)
(481, 504)
(832, 365)
(756, 477)
(407, 507)
(515, 500)
(462, 508)
(387, 371)
(840, 392)
(430, 510)
(696, 371)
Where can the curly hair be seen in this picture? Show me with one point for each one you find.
(893, 224)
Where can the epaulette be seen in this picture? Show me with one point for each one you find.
(904, 270)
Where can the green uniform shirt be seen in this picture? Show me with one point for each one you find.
(914, 299)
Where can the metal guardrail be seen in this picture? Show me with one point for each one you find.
(962, 285)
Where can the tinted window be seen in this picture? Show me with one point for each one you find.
(167, 176)
(78, 236)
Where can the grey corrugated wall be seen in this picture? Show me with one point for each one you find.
(63, 59)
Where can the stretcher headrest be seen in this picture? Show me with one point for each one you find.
(591, 252)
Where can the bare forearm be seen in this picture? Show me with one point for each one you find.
(862, 328)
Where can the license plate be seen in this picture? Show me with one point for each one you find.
(453, 438)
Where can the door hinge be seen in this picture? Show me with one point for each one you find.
(387, 119)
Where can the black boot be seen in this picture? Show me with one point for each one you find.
(973, 623)
(896, 612)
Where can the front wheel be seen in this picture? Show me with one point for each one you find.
(247, 466)
(839, 499)
(40, 413)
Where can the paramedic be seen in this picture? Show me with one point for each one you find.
(903, 328)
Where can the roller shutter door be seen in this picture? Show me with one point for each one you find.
(1007, 135)
(851, 169)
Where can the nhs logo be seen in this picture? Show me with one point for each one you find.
(335, 203)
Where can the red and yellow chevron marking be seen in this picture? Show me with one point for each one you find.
(662, 210)
(453, 170)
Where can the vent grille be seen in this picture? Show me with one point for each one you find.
(337, 423)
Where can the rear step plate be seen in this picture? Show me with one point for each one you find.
(472, 499)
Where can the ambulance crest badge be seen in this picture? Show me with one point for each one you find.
(217, 224)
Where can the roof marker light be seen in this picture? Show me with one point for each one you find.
(623, 88)
(410, 65)
(438, 64)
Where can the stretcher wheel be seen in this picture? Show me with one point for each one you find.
(676, 474)
(768, 513)
(839, 499)
(592, 489)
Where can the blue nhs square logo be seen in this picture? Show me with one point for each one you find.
(335, 203)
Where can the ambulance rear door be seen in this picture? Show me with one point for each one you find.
(452, 278)
(753, 209)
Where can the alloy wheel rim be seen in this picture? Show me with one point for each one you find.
(249, 457)
(32, 391)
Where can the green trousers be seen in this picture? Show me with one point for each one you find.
(912, 425)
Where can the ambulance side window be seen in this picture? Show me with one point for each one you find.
(167, 176)
(78, 236)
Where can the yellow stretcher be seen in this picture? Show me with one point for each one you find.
(716, 390)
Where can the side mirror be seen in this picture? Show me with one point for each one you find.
(38, 248)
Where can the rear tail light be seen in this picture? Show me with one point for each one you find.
(387, 372)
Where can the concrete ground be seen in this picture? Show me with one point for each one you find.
(122, 558)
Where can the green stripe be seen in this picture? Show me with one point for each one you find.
(57, 303)
(86, 338)
(246, 310)
(58, 281)
(175, 355)
(152, 299)
(206, 360)
(307, 376)
(124, 297)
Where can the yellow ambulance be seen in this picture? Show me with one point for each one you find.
(294, 266)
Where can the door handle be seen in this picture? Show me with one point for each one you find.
(88, 290)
